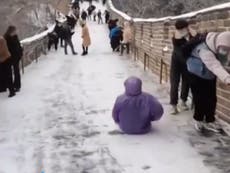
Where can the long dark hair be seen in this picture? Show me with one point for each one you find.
(9, 30)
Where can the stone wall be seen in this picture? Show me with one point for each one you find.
(152, 36)
(33, 50)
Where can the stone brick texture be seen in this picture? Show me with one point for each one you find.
(150, 38)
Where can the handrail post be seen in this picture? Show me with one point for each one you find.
(145, 60)
(161, 71)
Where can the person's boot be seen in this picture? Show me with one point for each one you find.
(184, 106)
(174, 110)
(74, 53)
(214, 127)
(12, 94)
(84, 53)
(199, 126)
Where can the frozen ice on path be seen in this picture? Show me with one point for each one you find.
(61, 120)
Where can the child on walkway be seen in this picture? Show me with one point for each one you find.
(135, 110)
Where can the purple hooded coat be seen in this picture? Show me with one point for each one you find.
(135, 110)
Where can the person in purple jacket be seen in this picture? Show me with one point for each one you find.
(135, 110)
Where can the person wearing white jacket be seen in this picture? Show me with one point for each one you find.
(215, 56)
(127, 38)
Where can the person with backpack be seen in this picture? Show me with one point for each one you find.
(205, 64)
(116, 36)
(135, 110)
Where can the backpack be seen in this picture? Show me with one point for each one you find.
(196, 66)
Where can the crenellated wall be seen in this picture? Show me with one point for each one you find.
(153, 47)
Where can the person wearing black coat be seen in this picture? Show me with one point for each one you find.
(16, 52)
(184, 41)
(84, 15)
(59, 30)
(67, 36)
(107, 16)
(99, 16)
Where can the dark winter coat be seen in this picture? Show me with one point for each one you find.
(67, 32)
(14, 47)
(182, 48)
(76, 4)
(83, 15)
(115, 37)
(91, 9)
(71, 21)
(99, 14)
(107, 15)
(53, 39)
(59, 30)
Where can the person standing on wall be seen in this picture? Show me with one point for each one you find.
(86, 38)
(178, 66)
(6, 68)
(16, 52)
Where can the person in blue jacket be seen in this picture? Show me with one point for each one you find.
(116, 38)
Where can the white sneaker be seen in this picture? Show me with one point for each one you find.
(199, 125)
(214, 127)
(184, 106)
(174, 110)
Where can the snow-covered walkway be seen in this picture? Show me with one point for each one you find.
(61, 120)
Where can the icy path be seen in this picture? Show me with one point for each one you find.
(61, 120)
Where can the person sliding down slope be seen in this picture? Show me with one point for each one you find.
(135, 110)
